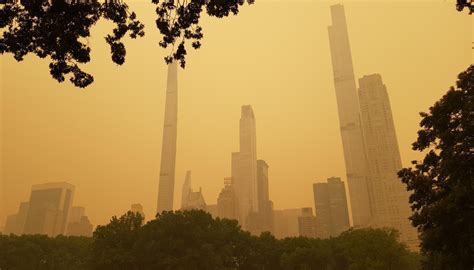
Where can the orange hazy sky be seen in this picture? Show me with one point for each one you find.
(274, 55)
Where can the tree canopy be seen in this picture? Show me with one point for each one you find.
(193, 240)
(442, 184)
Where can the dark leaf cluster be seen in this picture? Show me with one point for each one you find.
(59, 30)
(178, 22)
(442, 184)
(461, 4)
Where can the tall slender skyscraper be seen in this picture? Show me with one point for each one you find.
(168, 149)
(244, 165)
(349, 117)
(390, 198)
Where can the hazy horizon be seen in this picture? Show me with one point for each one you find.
(106, 139)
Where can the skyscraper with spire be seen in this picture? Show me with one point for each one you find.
(168, 149)
(349, 117)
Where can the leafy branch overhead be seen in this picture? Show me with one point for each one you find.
(178, 21)
(59, 29)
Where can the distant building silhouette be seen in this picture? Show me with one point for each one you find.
(15, 223)
(79, 224)
(212, 209)
(390, 199)
(192, 199)
(349, 117)
(11, 225)
(330, 204)
(137, 208)
(307, 223)
(286, 222)
(186, 189)
(195, 201)
(168, 149)
(49, 209)
(244, 166)
(227, 202)
(76, 213)
(262, 221)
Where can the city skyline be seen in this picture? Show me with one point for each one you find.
(117, 148)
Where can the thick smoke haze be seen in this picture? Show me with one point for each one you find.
(106, 139)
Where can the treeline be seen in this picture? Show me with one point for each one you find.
(194, 240)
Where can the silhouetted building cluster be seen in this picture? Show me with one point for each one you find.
(49, 212)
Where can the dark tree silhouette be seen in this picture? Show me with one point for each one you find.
(193, 240)
(443, 183)
(59, 29)
(461, 4)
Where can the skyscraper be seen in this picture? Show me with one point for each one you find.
(49, 209)
(168, 149)
(349, 117)
(244, 165)
(331, 207)
(390, 198)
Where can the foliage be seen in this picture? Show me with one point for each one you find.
(178, 21)
(60, 31)
(40, 252)
(443, 183)
(461, 4)
(193, 240)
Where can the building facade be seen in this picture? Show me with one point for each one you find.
(307, 223)
(168, 148)
(331, 208)
(244, 166)
(79, 224)
(390, 199)
(49, 209)
(349, 117)
(227, 202)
